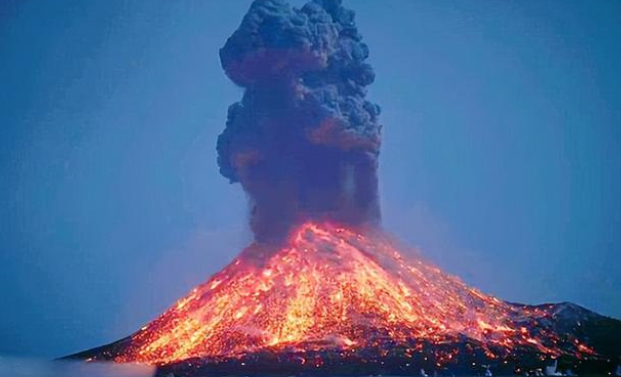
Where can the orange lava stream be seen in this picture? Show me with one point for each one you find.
(331, 288)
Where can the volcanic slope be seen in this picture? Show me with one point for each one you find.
(338, 292)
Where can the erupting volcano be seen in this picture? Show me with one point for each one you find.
(323, 288)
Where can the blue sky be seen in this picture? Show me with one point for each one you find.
(500, 161)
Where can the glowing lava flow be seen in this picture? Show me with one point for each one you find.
(332, 288)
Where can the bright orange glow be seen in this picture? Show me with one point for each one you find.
(331, 288)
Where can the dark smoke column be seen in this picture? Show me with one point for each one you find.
(303, 142)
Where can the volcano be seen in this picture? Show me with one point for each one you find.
(322, 289)
(334, 300)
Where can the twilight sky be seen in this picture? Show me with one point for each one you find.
(501, 158)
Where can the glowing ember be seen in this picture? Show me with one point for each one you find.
(333, 289)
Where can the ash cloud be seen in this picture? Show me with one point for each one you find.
(303, 141)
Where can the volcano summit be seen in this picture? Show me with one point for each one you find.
(323, 289)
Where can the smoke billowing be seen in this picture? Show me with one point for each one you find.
(303, 141)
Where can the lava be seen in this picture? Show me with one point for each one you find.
(332, 288)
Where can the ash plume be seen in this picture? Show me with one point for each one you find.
(303, 141)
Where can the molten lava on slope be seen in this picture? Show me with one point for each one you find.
(332, 289)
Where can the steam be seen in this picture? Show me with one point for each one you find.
(303, 141)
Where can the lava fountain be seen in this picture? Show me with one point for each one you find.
(323, 286)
